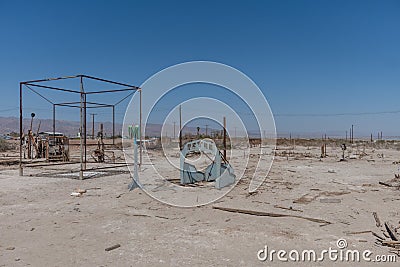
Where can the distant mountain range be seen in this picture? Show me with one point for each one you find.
(71, 128)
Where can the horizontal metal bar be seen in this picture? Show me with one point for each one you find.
(107, 81)
(103, 106)
(112, 91)
(53, 88)
(66, 105)
(97, 105)
(52, 79)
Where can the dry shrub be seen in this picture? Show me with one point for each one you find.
(4, 145)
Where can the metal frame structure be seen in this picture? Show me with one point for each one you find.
(83, 105)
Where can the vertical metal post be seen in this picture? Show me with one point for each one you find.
(54, 124)
(140, 126)
(92, 124)
(225, 138)
(84, 128)
(113, 125)
(80, 132)
(180, 127)
(21, 172)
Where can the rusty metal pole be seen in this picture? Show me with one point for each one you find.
(113, 125)
(84, 129)
(54, 123)
(180, 127)
(225, 138)
(93, 124)
(140, 126)
(80, 133)
(21, 172)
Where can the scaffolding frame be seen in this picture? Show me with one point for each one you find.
(83, 105)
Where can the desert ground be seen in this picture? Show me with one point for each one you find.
(311, 202)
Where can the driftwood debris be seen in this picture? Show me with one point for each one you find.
(377, 221)
(113, 247)
(391, 231)
(269, 214)
(386, 184)
(358, 232)
(285, 208)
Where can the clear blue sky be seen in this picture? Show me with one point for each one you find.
(306, 56)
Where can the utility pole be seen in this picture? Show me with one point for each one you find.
(206, 130)
(174, 130)
(352, 133)
(93, 114)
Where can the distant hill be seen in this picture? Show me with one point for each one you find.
(71, 128)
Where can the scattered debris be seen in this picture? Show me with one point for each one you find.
(309, 197)
(269, 214)
(377, 236)
(390, 232)
(284, 208)
(359, 232)
(113, 247)
(395, 182)
(378, 222)
(330, 200)
(10, 248)
(80, 191)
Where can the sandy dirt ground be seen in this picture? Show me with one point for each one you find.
(41, 224)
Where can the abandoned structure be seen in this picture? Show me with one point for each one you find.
(219, 170)
(55, 146)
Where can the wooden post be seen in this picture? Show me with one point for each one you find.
(352, 133)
